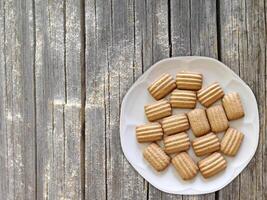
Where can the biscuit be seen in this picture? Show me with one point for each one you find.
(185, 166)
(176, 143)
(189, 81)
(183, 99)
(175, 124)
(149, 132)
(231, 142)
(162, 87)
(198, 122)
(156, 157)
(206, 144)
(233, 106)
(211, 94)
(212, 165)
(217, 118)
(158, 110)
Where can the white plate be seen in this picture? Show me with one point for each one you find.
(132, 114)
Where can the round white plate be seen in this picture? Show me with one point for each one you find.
(132, 114)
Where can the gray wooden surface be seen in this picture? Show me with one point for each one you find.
(65, 67)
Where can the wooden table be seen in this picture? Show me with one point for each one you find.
(65, 67)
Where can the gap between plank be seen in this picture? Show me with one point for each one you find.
(64, 41)
(34, 94)
(169, 28)
(218, 27)
(83, 95)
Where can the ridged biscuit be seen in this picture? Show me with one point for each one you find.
(217, 118)
(198, 122)
(189, 81)
(162, 87)
(185, 166)
(149, 132)
(176, 143)
(183, 99)
(211, 94)
(231, 141)
(233, 106)
(158, 110)
(206, 144)
(212, 165)
(156, 157)
(175, 124)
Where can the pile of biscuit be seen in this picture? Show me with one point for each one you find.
(204, 122)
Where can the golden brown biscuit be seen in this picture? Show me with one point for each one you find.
(158, 110)
(189, 81)
(149, 132)
(162, 87)
(211, 94)
(156, 157)
(212, 165)
(175, 124)
(206, 144)
(217, 118)
(231, 141)
(183, 99)
(198, 122)
(233, 106)
(176, 143)
(185, 166)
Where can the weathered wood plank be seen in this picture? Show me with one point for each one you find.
(143, 38)
(74, 57)
(203, 28)
(180, 29)
(73, 187)
(3, 100)
(17, 100)
(97, 20)
(243, 48)
(73, 110)
(124, 183)
(193, 28)
(121, 44)
(158, 19)
(50, 99)
(58, 89)
(264, 113)
(56, 184)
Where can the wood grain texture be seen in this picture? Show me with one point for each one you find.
(107, 81)
(3, 101)
(193, 28)
(74, 170)
(243, 48)
(50, 87)
(120, 80)
(65, 67)
(58, 97)
(97, 41)
(17, 101)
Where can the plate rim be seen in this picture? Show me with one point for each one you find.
(190, 191)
